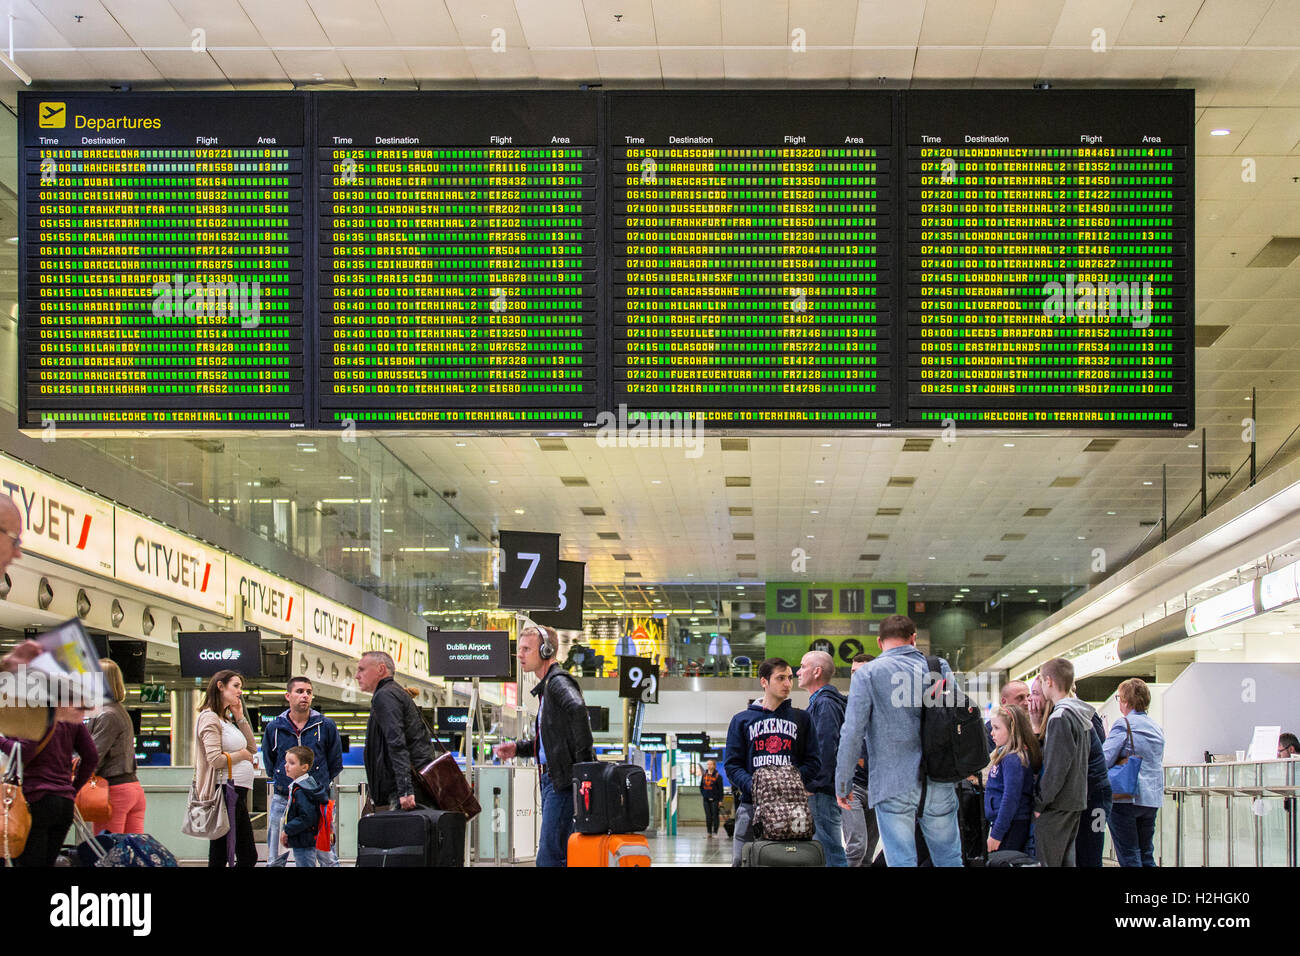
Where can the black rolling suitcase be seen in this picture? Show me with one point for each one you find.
(783, 853)
(419, 837)
(609, 798)
(971, 823)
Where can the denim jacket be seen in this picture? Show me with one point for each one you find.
(1149, 741)
(885, 702)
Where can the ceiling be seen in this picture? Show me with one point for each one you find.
(675, 518)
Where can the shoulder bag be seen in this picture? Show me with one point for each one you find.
(1124, 772)
(207, 818)
(15, 818)
(444, 781)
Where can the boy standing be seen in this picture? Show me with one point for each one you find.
(302, 817)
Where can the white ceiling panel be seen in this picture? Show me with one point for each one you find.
(31, 28)
(188, 68)
(224, 22)
(756, 64)
(757, 22)
(122, 67)
(1289, 93)
(1158, 22)
(894, 65)
(1225, 22)
(578, 65)
(825, 22)
(1276, 131)
(250, 66)
(883, 23)
(476, 19)
(636, 28)
(150, 22)
(553, 23)
(352, 22)
(628, 65)
(310, 67)
(691, 65)
(1280, 25)
(1079, 18)
(1125, 64)
(688, 22)
(819, 65)
(1255, 77)
(439, 65)
(1074, 64)
(55, 66)
(285, 22)
(1023, 22)
(96, 26)
(367, 68)
(1010, 64)
(946, 64)
(956, 21)
(515, 63)
(419, 22)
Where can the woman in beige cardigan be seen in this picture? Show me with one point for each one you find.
(224, 757)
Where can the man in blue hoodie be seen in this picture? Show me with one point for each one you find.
(826, 708)
(768, 733)
(299, 726)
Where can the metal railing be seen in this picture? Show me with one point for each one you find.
(1229, 814)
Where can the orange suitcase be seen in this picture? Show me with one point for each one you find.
(608, 849)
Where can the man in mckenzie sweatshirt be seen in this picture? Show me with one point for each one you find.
(768, 733)
(1063, 787)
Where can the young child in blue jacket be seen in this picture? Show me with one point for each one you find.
(302, 815)
(1009, 792)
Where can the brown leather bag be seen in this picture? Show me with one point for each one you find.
(445, 783)
(15, 817)
(92, 801)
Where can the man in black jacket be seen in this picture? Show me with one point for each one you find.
(561, 738)
(397, 740)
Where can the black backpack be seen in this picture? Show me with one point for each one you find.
(953, 746)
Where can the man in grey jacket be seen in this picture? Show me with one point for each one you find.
(1063, 787)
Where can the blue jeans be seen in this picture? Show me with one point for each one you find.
(826, 817)
(557, 824)
(1088, 845)
(277, 855)
(897, 819)
(305, 856)
(1133, 832)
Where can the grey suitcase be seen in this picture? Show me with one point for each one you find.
(783, 853)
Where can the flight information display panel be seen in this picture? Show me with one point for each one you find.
(161, 260)
(1048, 258)
(458, 254)
(752, 273)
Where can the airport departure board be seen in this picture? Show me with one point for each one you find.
(1048, 253)
(752, 266)
(539, 261)
(161, 260)
(458, 259)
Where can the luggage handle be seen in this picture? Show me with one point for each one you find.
(87, 835)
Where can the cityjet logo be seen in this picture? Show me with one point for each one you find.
(653, 430)
(159, 561)
(266, 600)
(227, 654)
(48, 518)
(334, 628)
(75, 909)
(224, 300)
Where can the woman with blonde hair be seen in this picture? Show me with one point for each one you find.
(1009, 793)
(224, 758)
(114, 737)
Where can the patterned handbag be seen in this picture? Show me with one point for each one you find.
(781, 810)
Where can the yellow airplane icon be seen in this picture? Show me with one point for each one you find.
(53, 115)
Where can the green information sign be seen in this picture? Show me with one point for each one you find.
(840, 618)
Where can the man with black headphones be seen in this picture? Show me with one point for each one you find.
(561, 738)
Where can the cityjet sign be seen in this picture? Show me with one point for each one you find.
(380, 637)
(332, 626)
(269, 602)
(165, 562)
(60, 522)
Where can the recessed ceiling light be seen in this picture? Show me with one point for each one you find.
(930, 558)
(655, 481)
(814, 512)
(965, 590)
(819, 481)
(1148, 482)
(1220, 132)
(1033, 590)
(388, 531)
(1276, 633)
(811, 537)
(1008, 444)
(1193, 446)
(1110, 512)
(493, 481)
(345, 477)
(1042, 600)
(460, 444)
(519, 511)
(826, 444)
(309, 449)
(1082, 538)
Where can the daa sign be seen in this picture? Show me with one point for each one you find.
(204, 653)
(638, 679)
(568, 616)
(528, 566)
